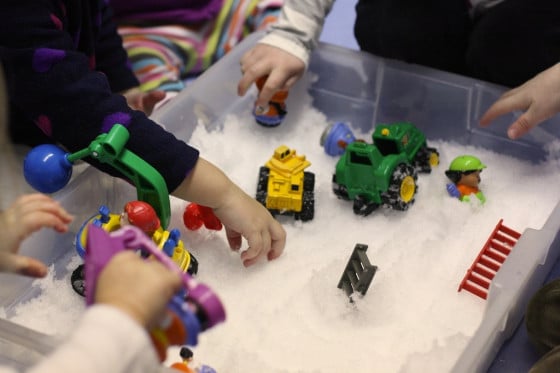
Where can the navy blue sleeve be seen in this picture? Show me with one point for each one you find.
(49, 63)
(110, 56)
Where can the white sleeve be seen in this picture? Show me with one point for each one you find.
(106, 340)
(298, 27)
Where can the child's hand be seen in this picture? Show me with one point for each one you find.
(26, 215)
(283, 70)
(143, 101)
(140, 288)
(243, 216)
(539, 98)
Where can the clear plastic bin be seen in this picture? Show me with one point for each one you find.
(363, 90)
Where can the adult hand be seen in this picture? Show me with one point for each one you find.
(26, 215)
(539, 98)
(282, 68)
(143, 101)
(140, 288)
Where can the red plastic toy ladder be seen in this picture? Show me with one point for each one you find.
(493, 254)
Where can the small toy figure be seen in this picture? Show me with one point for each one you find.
(141, 215)
(196, 215)
(187, 356)
(464, 172)
(336, 137)
(274, 114)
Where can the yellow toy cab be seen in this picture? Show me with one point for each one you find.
(284, 187)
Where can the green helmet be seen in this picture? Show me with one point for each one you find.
(465, 163)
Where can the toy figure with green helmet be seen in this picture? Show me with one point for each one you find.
(464, 172)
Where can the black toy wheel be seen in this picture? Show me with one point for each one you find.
(425, 159)
(308, 209)
(402, 188)
(262, 184)
(261, 198)
(77, 279)
(193, 265)
(339, 190)
(364, 207)
(308, 181)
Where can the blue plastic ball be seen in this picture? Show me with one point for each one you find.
(46, 168)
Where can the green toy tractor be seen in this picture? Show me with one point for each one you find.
(384, 173)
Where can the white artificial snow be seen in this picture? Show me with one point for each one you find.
(288, 315)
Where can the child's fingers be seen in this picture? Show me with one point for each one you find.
(250, 75)
(22, 265)
(254, 243)
(234, 239)
(503, 106)
(30, 204)
(32, 222)
(259, 246)
(278, 241)
(30, 213)
(247, 75)
(522, 125)
(150, 100)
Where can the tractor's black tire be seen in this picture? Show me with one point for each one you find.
(393, 196)
(339, 190)
(423, 157)
(364, 207)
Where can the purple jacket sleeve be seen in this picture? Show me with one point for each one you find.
(53, 85)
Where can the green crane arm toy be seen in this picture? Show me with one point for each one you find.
(47, 168)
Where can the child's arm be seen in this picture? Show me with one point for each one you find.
(55, 88)
(241, 214)
(284, 52)
(26, 215)
(110, 56)
(112, 59)
(56, 95)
